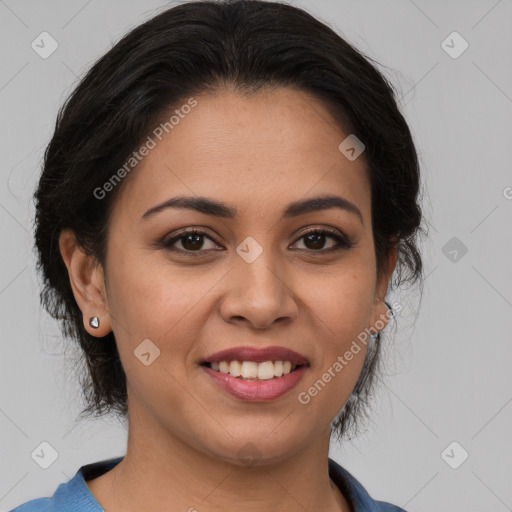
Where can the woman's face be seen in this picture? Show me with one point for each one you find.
(255, 279)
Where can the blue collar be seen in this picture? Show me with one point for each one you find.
(356, 495)
(75, 495)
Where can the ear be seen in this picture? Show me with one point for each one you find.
(87, 282)
(380, 310)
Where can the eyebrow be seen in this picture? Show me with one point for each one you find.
(218, 209)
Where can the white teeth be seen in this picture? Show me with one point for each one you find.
(278, 368)
(251, 370)
(266, 370)
(235, 368)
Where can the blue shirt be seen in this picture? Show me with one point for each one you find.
(75, 496)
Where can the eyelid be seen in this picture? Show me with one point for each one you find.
(342, 241)
(322, 229)
(168, 241)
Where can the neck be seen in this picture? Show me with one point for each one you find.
(160, 472)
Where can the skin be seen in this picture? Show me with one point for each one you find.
(258, 154)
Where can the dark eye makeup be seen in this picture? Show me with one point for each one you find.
(192, 242)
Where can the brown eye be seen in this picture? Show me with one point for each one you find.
(191, 241)
(314, 241)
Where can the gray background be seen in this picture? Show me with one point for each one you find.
(448, 369)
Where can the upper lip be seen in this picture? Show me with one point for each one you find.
(257, 354)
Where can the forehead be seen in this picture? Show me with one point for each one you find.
(260, 151)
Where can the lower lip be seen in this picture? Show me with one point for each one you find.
(256, 390)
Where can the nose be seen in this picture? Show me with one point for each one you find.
(258, 294)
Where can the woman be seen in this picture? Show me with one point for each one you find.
(224, 202)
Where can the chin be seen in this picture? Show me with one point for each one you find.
(256, 450)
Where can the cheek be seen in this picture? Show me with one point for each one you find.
(165, 305)
(151, 298)
(342, 305)
(153, 313)
(342, 301)
(332, 381)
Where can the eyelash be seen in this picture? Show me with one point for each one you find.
(341, 241)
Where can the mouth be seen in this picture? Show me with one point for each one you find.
(256, 374)
(252, 370)
(255, 363)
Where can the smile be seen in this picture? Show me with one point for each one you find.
(251, 370)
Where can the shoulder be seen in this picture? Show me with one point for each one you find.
(382, 506)
(71, 495)
(67, 497)
(355, 493)
(37, 505)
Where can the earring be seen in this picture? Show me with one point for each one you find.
(94, 322)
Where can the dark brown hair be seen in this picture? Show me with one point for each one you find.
(185, 50)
